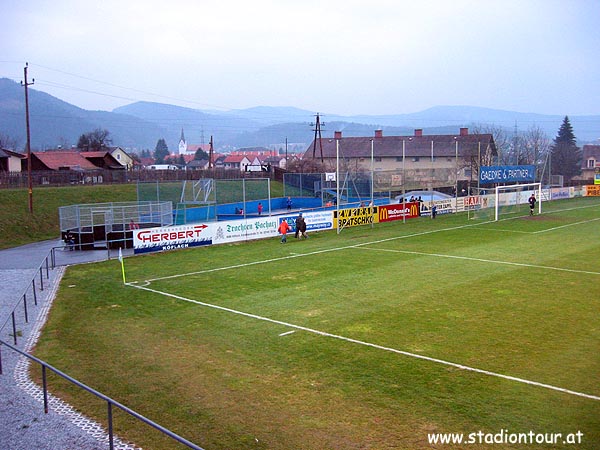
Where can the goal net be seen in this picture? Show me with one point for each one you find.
(514, 199)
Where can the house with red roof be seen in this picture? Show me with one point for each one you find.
(73, 160)
(10, 161)
(238, 162)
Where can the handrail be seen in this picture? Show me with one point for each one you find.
(110, 402)
(23, 297)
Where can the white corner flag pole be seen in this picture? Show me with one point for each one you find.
(122, 265)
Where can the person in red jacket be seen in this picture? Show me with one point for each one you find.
(284, 227)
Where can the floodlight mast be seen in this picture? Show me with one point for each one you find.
(337, 183)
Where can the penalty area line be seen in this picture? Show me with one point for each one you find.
(376, 346)
(490, 261)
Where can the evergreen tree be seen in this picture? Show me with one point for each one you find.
(161, 151)
(566, 156)
(200, 155)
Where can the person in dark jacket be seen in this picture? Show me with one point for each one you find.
(301, 227)
(532, 201)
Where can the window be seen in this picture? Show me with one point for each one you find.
(591, 163)
(378, 159)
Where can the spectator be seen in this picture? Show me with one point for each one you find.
(260, 208)
(284, 227)
(70, 240)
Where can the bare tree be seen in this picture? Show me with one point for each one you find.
(306, 165)
(94, 140)
(535, 146)
(8, 143)
(501, 139)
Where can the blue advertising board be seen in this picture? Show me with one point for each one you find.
(506, 174)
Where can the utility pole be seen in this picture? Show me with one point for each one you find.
(210, 154)
(317, 131)
(286, 155)
(30, 182)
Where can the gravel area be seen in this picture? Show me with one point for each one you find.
(23, 424)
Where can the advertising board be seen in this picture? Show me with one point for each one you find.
(170, 238)
(506, 174)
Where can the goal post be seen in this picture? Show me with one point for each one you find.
(510, 199)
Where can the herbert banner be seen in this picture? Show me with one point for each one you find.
(170, 238)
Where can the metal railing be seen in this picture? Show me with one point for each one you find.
(48, 263)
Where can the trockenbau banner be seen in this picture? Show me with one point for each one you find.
(245, 230)
(506, 174)
(159, 239)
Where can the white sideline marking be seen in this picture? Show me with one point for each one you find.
(564, 226)
(316, 252)
(492, 261)
(379, 347)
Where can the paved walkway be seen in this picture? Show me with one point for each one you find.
(23, 424)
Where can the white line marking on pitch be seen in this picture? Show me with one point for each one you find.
(379, 347)
(299, 255)
(564, 226)
(287, 332)
(491, 261)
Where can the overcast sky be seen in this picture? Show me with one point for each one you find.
(334, 56)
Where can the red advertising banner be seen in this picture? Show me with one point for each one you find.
(398, 211)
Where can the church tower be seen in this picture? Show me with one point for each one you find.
(182, 144)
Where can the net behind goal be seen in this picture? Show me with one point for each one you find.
(514, 199)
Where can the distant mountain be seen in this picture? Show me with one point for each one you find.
(197, 125)
(140, 125)
(54, 122)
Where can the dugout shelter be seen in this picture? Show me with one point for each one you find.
(110, 225)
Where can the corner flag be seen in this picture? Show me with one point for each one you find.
(122, 264)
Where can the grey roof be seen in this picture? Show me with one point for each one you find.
(415, 146)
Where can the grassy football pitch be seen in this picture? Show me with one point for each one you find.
(374, 338)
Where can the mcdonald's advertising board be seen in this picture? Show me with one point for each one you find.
(387, 213)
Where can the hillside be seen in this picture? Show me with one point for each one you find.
(140, 125)
(54, 122)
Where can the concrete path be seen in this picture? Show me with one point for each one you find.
(23, 424)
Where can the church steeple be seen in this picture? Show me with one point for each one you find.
(182, 144)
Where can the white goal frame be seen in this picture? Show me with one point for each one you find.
(523, 187)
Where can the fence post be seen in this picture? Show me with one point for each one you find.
(14, 328)
(41, 280)
(1, 359)
(47, 269)
(34, 293)
(25, 307)
(111, 443)
(45, 389)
